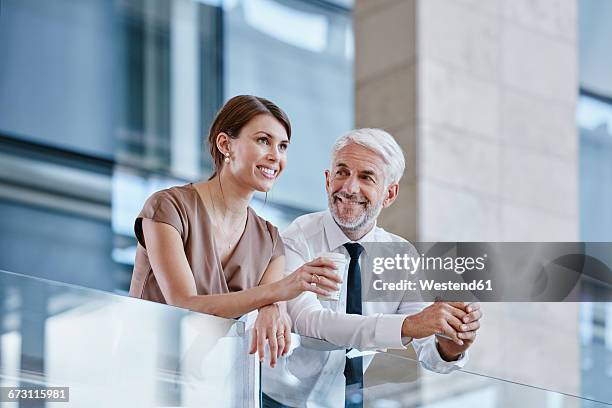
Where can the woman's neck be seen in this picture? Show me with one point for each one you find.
(230, 199)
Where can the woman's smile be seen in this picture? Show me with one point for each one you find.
(267, 172)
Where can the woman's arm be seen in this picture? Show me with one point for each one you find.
(274, 272)
(175, 279)
(173, 273)
(273, 323)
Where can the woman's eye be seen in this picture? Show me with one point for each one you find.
(283, 147)
(263, 140)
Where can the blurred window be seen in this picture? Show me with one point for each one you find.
(103, 102)
(300, 55)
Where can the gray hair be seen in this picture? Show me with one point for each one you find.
(380, 142)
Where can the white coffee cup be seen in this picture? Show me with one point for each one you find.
(341, 263)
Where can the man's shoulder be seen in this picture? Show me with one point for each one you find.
(304, 227)
(386, 236)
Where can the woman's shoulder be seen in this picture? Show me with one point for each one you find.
(183, 194)
(169, 206)
(177, 202)
(179, 191)
(262, 224)
(267, 236)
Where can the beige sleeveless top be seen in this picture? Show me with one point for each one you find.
(182, 208)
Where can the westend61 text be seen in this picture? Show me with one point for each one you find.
(428, 285)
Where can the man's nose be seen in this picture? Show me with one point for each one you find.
(351, 185)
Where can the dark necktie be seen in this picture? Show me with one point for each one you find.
(353, 368)
(353, 296)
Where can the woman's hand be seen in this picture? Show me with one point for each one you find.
(273, 325)
(318, 276)
(284, 327)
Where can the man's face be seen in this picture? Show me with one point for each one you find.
(356, 187)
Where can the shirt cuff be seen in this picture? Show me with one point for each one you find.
(440, 365)
(389, 331)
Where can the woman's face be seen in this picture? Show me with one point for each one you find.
(258, 155)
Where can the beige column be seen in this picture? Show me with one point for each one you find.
(481, 96)
(386, 91)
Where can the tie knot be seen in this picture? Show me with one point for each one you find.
(354, 249)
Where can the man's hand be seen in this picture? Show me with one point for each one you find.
(439, 318)
(273, 325)
(450, 350)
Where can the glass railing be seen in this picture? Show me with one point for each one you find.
(312, 375)
(116, 351)
(565, 347)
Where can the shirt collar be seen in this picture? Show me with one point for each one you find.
(336, 238)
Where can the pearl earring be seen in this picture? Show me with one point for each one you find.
(227, 158)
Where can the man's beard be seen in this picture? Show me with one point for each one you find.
(366, 218)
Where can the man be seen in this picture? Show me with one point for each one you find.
(366, 168)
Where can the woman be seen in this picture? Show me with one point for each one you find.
(202, 247)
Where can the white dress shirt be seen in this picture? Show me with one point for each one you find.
(314, 378)
(380, 325)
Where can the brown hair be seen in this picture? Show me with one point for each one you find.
(234, 115)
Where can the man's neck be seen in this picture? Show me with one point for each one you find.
(357, 234)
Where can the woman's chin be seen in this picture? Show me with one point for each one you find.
(264, 188)
(264, 185)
